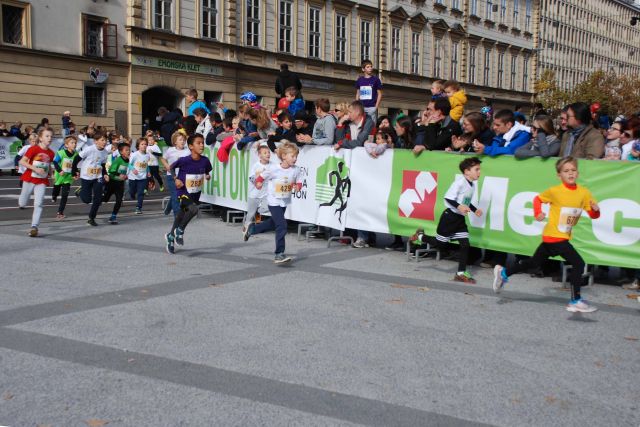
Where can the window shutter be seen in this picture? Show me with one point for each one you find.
(110, 40)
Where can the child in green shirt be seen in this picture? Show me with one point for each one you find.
(117, 176)
(62, 163)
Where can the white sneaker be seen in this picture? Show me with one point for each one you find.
(580, 306)
(634, 286)
(498, 279)
(360, 243)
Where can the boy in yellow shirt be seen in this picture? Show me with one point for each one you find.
(567, 201)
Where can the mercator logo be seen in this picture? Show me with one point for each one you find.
(419, 195)
(333, 185)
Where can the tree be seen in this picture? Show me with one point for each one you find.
(548, 93)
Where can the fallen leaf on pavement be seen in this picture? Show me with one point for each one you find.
(215, 285)
(131, 360)
(94, 422)
(395, 301)
(550, 399)
(631, 338)
(424, 289)
(470, 294)
(144, 291)
(633, 296)
(399, 286)
(7, 396)
(599, 364)
(43, 425)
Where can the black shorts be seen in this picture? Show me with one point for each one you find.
(452, 226)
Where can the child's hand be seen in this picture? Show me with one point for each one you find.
(123, 176)
(594, 205)
(135, 171)
(76, 176)
(106, 178)
(148, 175)
(207, 177)
(259, 185)
(541, 216)
(298, 186)
(464, 209)
(336, 147)
(62, 173)
(179, 183)
(479, 212)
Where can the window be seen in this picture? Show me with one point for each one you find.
(415, 53)
(100, 37)
(453, 75)
(286, 25)
(437, 56)
(486, 78)
(13, 25)
(516, 11)
(527, 17)
(489, 11)
(474, 7)
(314, 32)
(472, 65)
(162, 14)
(365, 40)
(455, 4)
(210, 19)
(94, 100)
(253, 23)
(500, 68)
(341, 38)
(525, 75)
(503, 9)
(395, 48)
(514, 66)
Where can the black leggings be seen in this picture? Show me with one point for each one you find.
(188, 209)
(563, 249)
(155, 173)
(63, 191)
(114, 188)
(463, 252)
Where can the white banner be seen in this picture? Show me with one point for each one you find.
(10, 146)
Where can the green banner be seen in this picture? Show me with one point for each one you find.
(505, 193)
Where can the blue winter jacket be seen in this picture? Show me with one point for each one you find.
(497, 147)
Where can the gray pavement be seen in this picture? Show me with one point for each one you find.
(101, 325)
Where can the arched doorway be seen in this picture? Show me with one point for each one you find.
(156, 97)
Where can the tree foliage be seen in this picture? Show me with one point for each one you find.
(616, 93)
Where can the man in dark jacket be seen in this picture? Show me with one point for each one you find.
(168, 122)
(287, 79)
(436, 128)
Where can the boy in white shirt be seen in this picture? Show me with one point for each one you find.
(154, 154)
(92, 174)
(138, 173)
(256, 196)
(282, 180)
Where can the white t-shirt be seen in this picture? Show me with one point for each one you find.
(281, 184)
(153, 159)
(626, 149)
(461, 191)
(257, 168)
(92, 161)
(21, 153)
(140, 162)
(172, 154)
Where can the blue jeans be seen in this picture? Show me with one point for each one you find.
(276, 222)
(91, 192)
(173, 205)
(136, 190)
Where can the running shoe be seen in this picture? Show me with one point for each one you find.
(60, 216)
(360, 243)
(113, 220)
(499, 278)
(178, 234)
(416, 239)
(464, 278)
(33, 232)
(281, 259)
(246, 232)
(92, 222)
(138, 211)
(77, 192)
(161, 188)
(53, 200)
(634, 286)
(580, 306)
(395, 246)
(169, 246)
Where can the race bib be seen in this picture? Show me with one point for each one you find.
(568, 218)
(193, 183)
(283, 189)
(94, 172)
(42, 165)
(67, 165)
(122, 170)
(141, 167)
(366, 93)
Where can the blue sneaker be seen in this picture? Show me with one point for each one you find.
(169, 247)
(177, 234)
(580, 306)
(499, 278)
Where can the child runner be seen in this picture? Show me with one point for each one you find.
(92, 174)
(178, 149)
(117, 177)
(63, 164)
(190, 173)
(138, 173)
(37, 162)
(256, 196)
(282, 180)
(452, 225)
(154, 154)
(567, 201)
(31, 141)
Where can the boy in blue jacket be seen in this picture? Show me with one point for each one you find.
(510, 135)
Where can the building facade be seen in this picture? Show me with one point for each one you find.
(152, 50)
(578, 37)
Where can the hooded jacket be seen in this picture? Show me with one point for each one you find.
(457, 101)
(509, 142)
